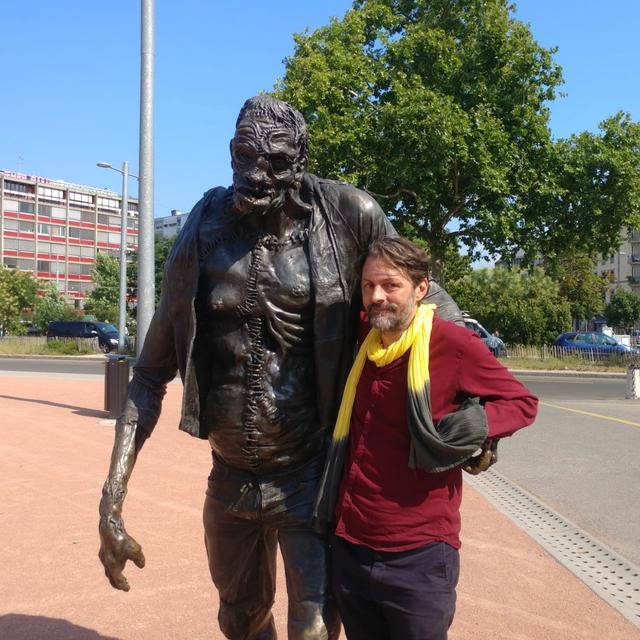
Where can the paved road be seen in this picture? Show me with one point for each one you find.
(582, 457)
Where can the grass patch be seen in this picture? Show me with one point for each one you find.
(37, 346)
(617, 365)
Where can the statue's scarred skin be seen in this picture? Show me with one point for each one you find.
(258, 314)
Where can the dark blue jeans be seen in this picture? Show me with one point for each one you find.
(410, 595)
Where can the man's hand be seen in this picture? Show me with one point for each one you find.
(116, 547)
(487, 456)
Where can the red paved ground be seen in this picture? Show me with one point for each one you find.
(53, 459)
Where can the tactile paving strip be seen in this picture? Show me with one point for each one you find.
(610, 576)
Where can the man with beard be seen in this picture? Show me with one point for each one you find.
(258, 313)
(422, 396)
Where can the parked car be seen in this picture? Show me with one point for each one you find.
(106, 333)
(495, 344)
(597, 343)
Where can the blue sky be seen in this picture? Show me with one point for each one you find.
(70, 80)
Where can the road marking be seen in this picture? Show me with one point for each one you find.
(587, 413)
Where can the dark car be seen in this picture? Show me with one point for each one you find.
(495, 344)
(105, 332)
(599, 344)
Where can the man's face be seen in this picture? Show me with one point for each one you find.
(265, 161)
(389, 296)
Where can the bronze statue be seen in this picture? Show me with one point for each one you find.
(258, 313)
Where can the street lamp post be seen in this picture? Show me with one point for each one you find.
(122, 298)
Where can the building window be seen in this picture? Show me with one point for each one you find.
(26, 207)
(18, 187)
(108, 203)
(45, 210)
(81, 198)
(26, 227)
(48, 193)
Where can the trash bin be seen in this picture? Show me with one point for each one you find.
(116, 380)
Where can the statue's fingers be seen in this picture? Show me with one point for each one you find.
(134, 553)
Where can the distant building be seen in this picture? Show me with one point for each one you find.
(622, 268)
(56, 229)
(170, 226)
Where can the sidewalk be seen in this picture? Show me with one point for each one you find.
(54, 457)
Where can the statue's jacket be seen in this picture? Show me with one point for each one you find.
(344, 220)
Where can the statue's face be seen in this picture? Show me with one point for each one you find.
(266, 162)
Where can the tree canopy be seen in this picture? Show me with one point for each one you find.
(623, 310)
(102, 301)
(439, 108)
(579, 284)
(18, 291)
(525, 306)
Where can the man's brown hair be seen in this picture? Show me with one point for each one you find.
(402, 254)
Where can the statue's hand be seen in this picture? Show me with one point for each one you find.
(116, 547)
(487, 457)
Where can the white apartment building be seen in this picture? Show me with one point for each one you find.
(171, 225)
(56, 229)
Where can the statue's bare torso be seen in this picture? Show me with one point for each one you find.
(255, 342)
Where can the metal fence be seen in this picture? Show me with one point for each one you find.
(547, 352)
(38, 344)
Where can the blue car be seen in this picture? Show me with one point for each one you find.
(596, 343)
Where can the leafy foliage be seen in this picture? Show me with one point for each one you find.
(49, 306)
(17, 292)
(439, 108)
(102, 300)
(623, 310)
(579, 284)
(525, 306)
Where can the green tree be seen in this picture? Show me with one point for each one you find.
(623, 311)
(18, 291)
(102, 300)
(592, 191)
(579, 284)
(50, 305)
(525, 306)
(438, 108)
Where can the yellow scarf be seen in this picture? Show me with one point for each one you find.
(415, 337)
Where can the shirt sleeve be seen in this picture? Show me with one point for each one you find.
(508, 403)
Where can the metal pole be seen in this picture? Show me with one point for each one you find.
(146, 267)
(122, 298)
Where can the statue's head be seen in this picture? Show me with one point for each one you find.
(268, 154)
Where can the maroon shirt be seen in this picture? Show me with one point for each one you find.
(382, 503)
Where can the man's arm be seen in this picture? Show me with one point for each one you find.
(155, 368)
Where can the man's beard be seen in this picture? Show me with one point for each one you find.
(394, 319)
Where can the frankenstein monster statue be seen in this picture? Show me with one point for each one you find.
(259, 315)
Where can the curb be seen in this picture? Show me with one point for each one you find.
(571, 374)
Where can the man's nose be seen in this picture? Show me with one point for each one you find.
(377, 294)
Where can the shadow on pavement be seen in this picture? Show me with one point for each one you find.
(81, 411)
(16, 626)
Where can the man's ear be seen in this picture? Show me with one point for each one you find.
(422, 289)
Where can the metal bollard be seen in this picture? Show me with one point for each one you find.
(116, 381)
(633, 382)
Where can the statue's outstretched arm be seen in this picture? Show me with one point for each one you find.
(154, 369)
